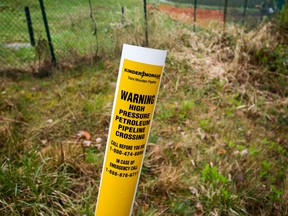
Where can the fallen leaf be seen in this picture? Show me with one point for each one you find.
(50, 121)
(236, 152)
(229, 177)
(249, 136)
(193, 162)
(86, 143)
(244, 152)
(83, 134)
(171, 143)
(99, 140)
(199, 206)
(221, 152)
(188, 122)
(240, 178)
(98, 146)
(193, 190)
(43, 143)
(202, 135)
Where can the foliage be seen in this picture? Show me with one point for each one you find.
(281, 21)
(275, 60)
(274, 57)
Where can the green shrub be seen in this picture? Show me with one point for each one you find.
(281, 21)
(275, 60)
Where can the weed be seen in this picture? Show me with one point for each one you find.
(276, 194)
(153, 138)
(254, 150)
(217, 191)
(266, 168)
(231, 144)
(164, 111)
(211, 175)
(205, 124)
(182, 207)
(186, 109)
(93, 156)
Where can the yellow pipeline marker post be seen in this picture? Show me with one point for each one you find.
(134, 103)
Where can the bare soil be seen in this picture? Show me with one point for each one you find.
(203, 17)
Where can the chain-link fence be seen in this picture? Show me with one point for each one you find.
(252, 12)
(248, 12)
(64, 30)
(72, 30)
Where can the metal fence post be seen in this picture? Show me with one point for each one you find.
(146, 24)
(225, 13)
(245, 10)
(95, 29)
(30, 26)
(123, 17)
(195, 8)
(48, 32)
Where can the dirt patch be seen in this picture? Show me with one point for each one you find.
(203, 17)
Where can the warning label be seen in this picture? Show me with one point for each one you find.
(132, 118)
(132, 114)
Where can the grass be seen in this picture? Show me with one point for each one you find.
(44, 180)
(218, 143)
